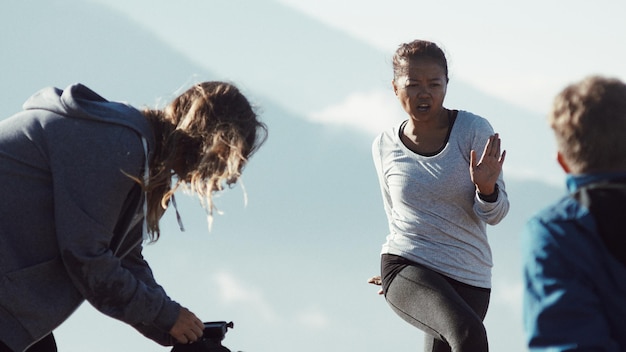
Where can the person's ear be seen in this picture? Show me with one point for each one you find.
(395, 89)
(561, 160)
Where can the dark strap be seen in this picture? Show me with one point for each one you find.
(606, 202)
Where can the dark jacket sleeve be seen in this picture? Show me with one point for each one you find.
(562, 309)
(137, 265)
(90, 166)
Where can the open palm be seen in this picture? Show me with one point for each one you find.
(485, 172)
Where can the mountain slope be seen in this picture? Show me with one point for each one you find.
(290, 267)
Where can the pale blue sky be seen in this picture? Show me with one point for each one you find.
(520, 51)
(245, 270)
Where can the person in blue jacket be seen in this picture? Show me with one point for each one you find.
(84, 183)
(575, 250)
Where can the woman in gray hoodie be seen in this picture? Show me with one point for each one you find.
(84, 184)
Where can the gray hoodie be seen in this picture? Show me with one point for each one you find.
(71, 218)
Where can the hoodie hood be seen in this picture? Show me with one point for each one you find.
(78, 101)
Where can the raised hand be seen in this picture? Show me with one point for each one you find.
(485, 172)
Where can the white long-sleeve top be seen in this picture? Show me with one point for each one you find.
(435, 215)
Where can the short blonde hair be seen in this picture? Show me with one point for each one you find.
(589, 122)
(207, 134)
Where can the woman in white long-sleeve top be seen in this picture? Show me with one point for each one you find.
(440, 174)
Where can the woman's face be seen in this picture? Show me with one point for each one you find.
(422, 90)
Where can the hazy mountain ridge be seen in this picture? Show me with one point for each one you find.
(307, 67)
(57, 43)
(313, 227)
(267, 46)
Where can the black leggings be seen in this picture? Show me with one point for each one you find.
(449, 312)
(47, 344)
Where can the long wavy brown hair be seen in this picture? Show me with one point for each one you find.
(204, 138)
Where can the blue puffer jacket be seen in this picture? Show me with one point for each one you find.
(71, 217)
(575, 285)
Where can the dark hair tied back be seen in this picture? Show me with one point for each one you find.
(417, 50)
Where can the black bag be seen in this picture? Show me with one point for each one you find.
(211, 340)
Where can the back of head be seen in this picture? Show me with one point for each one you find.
(213, 113)
(205, 136)
(417, 50)
(589, 122)
(216, 131)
